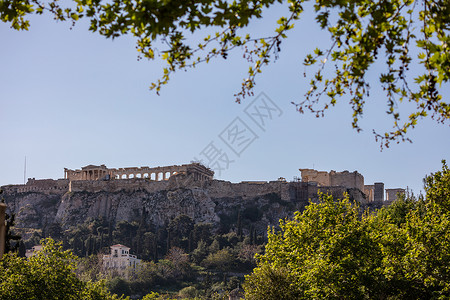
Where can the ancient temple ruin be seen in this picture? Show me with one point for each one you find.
(99, 178)
(92, 172)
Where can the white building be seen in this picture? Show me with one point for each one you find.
(120, 259)
(30, 252)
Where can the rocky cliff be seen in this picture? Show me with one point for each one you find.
(39, 204)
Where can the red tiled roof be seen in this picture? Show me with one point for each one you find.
(120, 245)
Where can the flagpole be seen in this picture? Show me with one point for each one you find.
(25, 170)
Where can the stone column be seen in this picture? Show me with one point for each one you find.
(2, 228)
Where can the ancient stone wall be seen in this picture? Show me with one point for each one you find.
(216, 188)
(378, 194)
(369, 190)
(305, 192)
(333, 178)
(94, 186)
(391, 194)
(46, 186)
(311, 175)
(247, 190)
(347, 179)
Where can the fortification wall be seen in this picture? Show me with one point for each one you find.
(46, 186)
(378, 192)
(338, 193)
(347, 179)
(333, 178)
(288, 191)
(391, 194)
(95, 186)
(369, 190)
(303, 192)
(247, 190)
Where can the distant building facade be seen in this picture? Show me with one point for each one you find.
(333, 178)
(392, 194)
(120, 259)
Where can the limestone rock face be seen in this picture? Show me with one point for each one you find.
(160, 207)
(33, 209)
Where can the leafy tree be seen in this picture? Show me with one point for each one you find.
(144, 277)
(188, 292)
(437, 188)
(398, 211)
(12, 241)
(49, 274)
(202, 232)
(215, 246)
(151, 296)
(124, 232)
(55, 231)
(247, 253)
(76, 238)
(179, 231)
(427, 262)
(90, 268)
(326, 252)
(200, 252)
(331, 251)
(119, 286)
(222, 260)
(400, 34)
(180, 262)
(150, 246)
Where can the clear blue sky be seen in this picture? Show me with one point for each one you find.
(70, 98)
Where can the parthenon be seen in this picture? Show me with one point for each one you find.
(92, 172)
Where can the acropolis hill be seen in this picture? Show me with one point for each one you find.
(159, 194)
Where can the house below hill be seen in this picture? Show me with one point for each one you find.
(120, 259)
